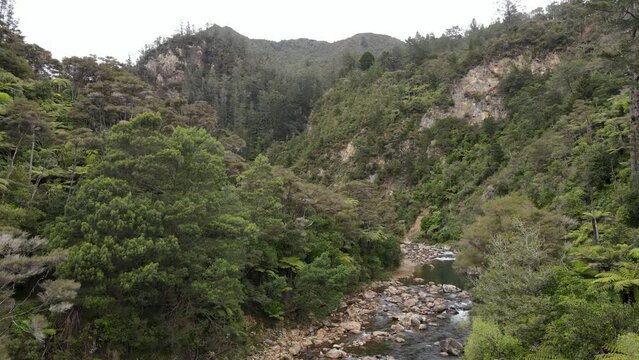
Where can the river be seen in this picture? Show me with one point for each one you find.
(421, 314)
(415, 344)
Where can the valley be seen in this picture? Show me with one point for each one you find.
(471, 194)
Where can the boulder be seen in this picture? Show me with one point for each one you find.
(335, 354)
(321, 333)
(439, 307)
(411, 302)
(450, 288)
(370, 294)
(295, 349)
(392, 290)
(351, 326)
(451, 347)
(380, 334)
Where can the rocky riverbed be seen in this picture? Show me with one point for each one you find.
(404, 318)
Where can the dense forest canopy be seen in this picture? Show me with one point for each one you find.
(178, 206)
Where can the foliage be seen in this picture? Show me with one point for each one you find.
(136, 174)
(366, 61)
(625, 347)
(487, 341)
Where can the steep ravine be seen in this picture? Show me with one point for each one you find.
(421, 314)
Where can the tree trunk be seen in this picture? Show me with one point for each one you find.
(12, 159)
(595, 229)
(593, 216)
(628, 296)
(634, 136)
(32, 151)
(35, 189)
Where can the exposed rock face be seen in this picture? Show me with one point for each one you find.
(348, 152)
(475, 95)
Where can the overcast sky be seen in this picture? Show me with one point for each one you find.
(121, 28)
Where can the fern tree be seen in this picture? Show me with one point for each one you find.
(624, 281)
(626, 347)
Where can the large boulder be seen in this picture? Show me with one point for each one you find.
(351, 326)
(295, 349)
(447, 288)
(451, 347)
(410, 302)
(370, 294)
(335, 354)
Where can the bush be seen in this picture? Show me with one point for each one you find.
(488, 342)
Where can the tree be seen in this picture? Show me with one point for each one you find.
(24, 260)
(625, 347)
(511, 290)
(487, 341)
(454, 32)
(504, 216)
(26, 124)
(625, 16)
(157, 241)
(6, 14)
(321, 285)
(508, 9)
(366, 60)
(261, 191)
(391, 61)
(624, 280)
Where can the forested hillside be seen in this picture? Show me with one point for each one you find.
(131, 228)
(262, 90)
(516, 143)
(181, 206)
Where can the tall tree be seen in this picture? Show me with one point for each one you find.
(6, 14)
(366, 60)
(625, 16)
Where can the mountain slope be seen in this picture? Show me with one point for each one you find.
(262, 90)
(518, 142)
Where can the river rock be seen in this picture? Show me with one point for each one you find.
(321, 333)
(392, 290)
(295, 349)
(335, 354)
(397, 328)
(380, 334)
(370, 294)
(447, 288)
(439, 307)
(451, 346)
(411, 302)
(352, 326)
(399, 340)
(423, 327)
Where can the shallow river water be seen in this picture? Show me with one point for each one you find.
(419, 344)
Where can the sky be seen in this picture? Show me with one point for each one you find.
(120, 28)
